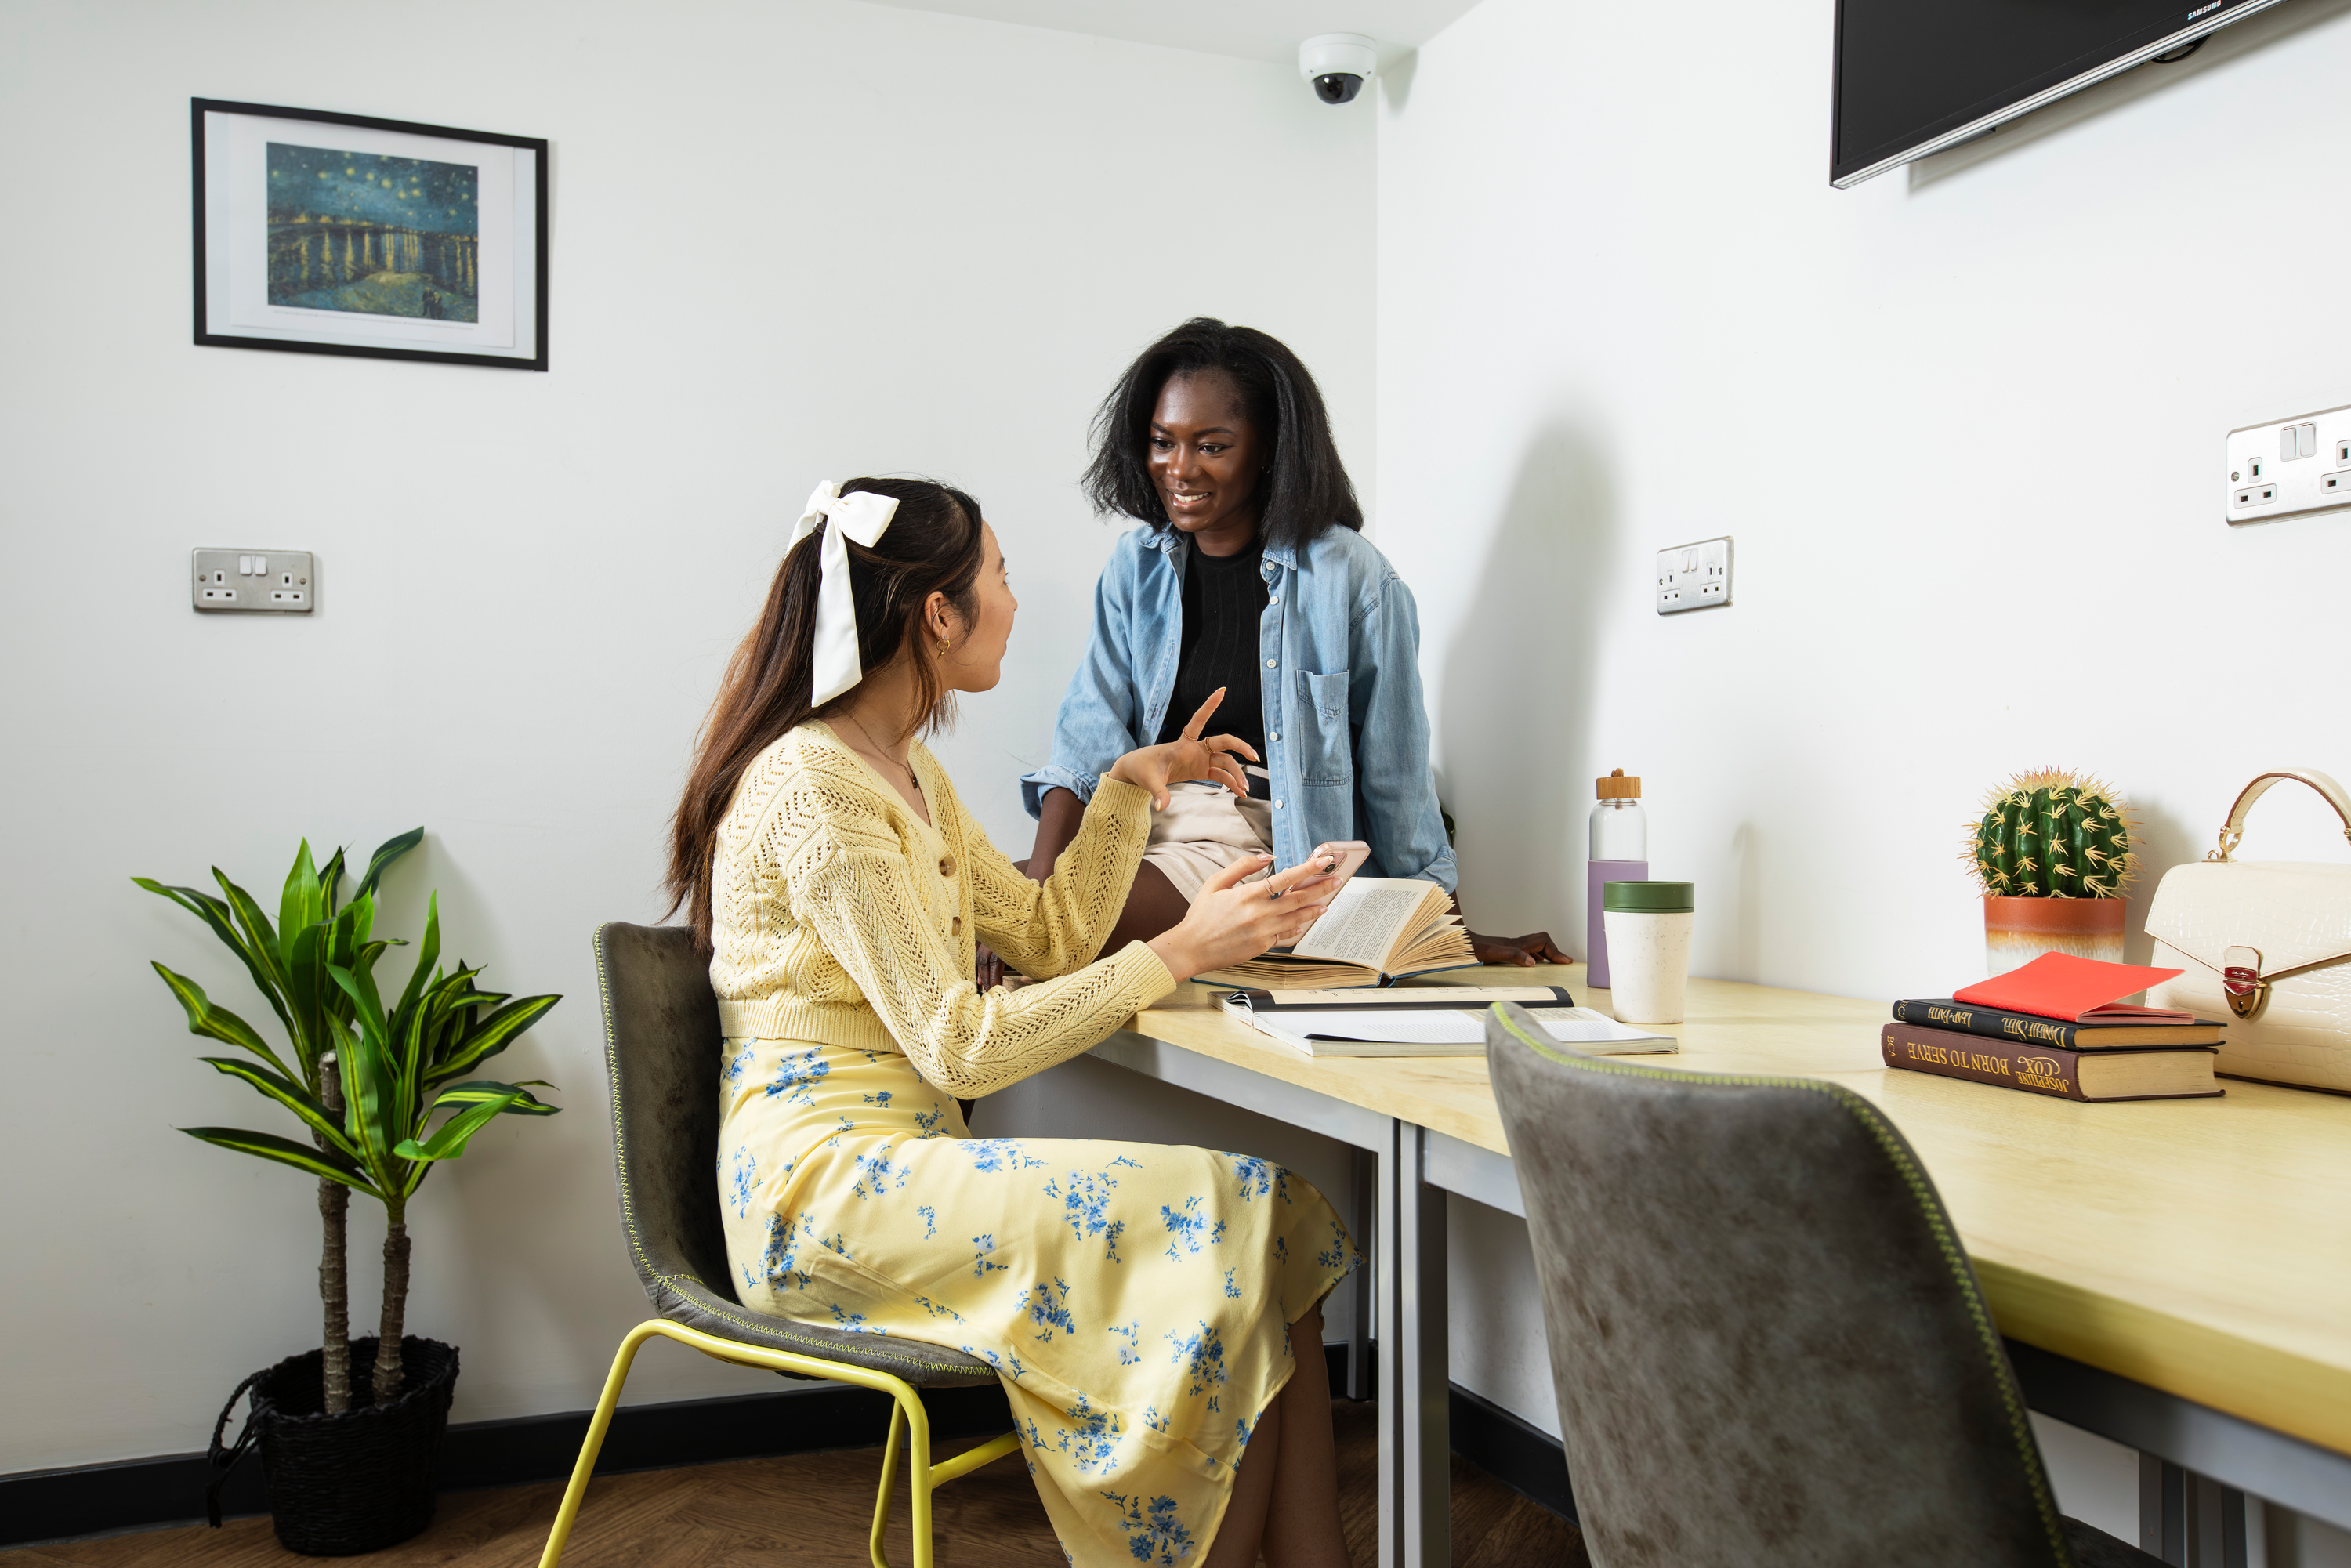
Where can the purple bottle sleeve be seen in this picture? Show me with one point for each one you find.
(1595, 930)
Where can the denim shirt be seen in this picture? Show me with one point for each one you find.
(1346, 733)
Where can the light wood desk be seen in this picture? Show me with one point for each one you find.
(2186, 1265)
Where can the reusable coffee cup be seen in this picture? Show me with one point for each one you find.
(1648, 925)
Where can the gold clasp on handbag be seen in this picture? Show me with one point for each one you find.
(2231, 836)
(2241, 977)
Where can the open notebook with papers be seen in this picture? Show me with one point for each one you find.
(1434, 1032)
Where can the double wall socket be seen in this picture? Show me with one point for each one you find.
(2298, 464)
(285, 582)
(1694, 577)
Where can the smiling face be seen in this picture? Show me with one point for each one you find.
(1206, 461)
(974, 658)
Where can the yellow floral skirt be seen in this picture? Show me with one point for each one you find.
(1135, 1298)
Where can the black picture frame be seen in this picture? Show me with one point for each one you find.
(210, 282)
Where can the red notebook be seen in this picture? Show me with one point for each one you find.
(2079, 991)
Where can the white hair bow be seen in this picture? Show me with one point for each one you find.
(861, 516)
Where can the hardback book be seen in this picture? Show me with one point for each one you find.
(1378, 928)
(2146, 1074)
(2078, 990)
(2026, 1029)
(1437, 1032)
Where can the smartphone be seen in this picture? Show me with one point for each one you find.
(1349, 855)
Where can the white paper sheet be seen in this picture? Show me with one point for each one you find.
(1569, 1026)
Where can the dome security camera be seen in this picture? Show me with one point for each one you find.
(1338, 65)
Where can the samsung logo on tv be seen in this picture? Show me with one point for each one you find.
(2205, 10)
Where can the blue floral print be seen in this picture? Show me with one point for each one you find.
(1336, 1255)
(730, 1077)
(854, 1322)
(1259, 1177)
(981, 1264)
(1130, 1342)
(1049, 1306)
(875, 1174)
(1191, 1229)
(797, 1073)
(989, 1155)
(1092, 1444)
(1154, 1532)
(930, 1220)
(779, 1265)
(743, 1175)
(1085, 1200)
(1232, 1291)
(1201, 1353)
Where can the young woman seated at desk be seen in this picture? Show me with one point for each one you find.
(1154, 1313)
(1251, 576)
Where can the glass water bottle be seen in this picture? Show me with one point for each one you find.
(1620, 852)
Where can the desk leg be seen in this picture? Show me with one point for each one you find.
(2188, 1520)
(1365, 1176)
(1415, 1441)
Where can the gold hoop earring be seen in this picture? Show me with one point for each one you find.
(942, 647)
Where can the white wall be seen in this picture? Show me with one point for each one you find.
(1965, 426)
(792, 240)
(1964, 429)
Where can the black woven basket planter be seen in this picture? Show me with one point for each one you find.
(360, 1481)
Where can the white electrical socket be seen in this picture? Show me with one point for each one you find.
(2288, 465)
(282, 580)
(1694, 576)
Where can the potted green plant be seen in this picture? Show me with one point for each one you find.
(350, 1433)
(2054, 856)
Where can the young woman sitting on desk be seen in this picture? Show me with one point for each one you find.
(1252, 575)
(1158, 1324)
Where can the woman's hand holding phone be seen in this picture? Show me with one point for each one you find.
(1234, 921)
(1346, 857)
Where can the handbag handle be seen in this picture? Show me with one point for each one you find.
(2232, 831)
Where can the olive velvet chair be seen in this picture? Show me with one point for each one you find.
(660, 1053)
(1768, 1346)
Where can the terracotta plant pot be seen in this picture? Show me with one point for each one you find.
(2019, 930)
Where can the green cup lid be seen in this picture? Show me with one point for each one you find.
(1648, 897)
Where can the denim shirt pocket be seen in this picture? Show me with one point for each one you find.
(1325, 751)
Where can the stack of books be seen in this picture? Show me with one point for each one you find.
(2056, 1027)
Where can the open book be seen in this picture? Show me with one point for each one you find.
(1377, 928)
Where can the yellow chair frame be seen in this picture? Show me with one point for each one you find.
(908, 1415)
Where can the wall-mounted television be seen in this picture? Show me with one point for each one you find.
(1914, 76)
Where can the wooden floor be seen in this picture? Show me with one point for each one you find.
(809, 1508)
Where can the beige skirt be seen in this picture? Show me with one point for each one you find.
(1204, 829)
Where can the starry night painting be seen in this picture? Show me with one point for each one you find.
(373, 234)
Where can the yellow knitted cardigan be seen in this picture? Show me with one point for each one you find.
(841, 918)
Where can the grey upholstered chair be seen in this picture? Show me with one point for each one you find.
(1767, 1344)
(660, 1053)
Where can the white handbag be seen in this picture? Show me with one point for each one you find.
(2266, 946)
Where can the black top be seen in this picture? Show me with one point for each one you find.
(1225, 598)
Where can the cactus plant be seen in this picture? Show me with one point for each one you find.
(2053, 834)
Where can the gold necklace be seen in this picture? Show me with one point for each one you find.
(881, 756)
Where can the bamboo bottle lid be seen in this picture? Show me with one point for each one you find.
(1617, 787)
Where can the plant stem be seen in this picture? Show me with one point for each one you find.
(334, 1275)
(388, 1367)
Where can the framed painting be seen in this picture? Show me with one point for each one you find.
(337, 234)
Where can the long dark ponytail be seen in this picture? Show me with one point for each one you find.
(931, 546)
